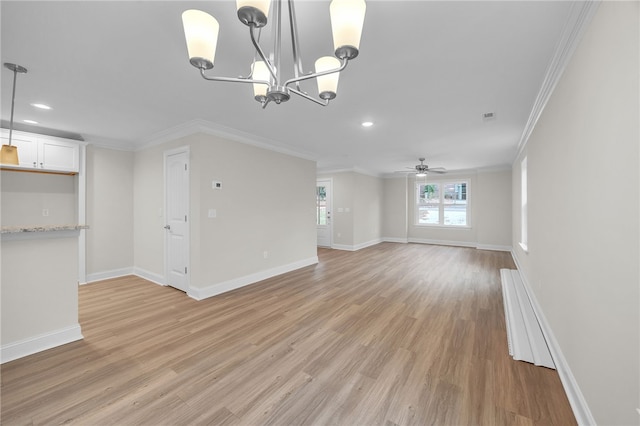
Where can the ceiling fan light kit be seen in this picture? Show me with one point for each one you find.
(421, 169)
(347, 19)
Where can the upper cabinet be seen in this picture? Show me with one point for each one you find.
(43, 153)
(27, 147)
(58, 155)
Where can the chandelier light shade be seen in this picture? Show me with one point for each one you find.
(201, 34)
(269, 83)
(260, 72)
(327, 84)
(347, 19)
(253, 12)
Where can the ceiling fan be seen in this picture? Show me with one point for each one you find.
(422, 169)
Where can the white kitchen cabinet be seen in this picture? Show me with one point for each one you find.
(43, 153)
(27, 148)
(58, 155)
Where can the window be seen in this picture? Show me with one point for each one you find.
(321, 205)
(442, 203)
(523, 204)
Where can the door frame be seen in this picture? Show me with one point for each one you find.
(181, 150)
(330, 197)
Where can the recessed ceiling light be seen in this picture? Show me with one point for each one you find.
(30, 121)
(41, 106)
(367, 123)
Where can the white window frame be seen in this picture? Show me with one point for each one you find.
(524, 216)
(441, 223)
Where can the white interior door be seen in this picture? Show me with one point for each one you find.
(323, 212)
(176, 168)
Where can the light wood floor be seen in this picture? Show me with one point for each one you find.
(392, 334)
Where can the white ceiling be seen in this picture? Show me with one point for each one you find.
(117, 73)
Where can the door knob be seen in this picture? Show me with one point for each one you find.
(167, 227)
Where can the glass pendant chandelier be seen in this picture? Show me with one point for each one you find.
(347, 19)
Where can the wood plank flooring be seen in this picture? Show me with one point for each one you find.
(395, 334)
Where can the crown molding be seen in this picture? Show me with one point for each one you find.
(455, 173)
(580, 16)
(493, 169)
(209, 128)
(113, 144)
(349, 170)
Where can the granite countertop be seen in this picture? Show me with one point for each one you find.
(43, 228)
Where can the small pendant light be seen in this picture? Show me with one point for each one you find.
(9, 153)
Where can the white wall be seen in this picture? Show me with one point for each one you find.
(148, 214)
(39, 291)
(26, 195)
(270, 207)
(367, 210)
(358, 202)
(394, 213)
(583, 193)
(109, 247)
(493, 209)
(489, 205)
(343, 203)
(39, 303)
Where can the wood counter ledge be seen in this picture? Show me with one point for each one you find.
(43, 228)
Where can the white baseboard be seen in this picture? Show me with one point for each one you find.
(356, 247)
(576, 399)
(367, 244)
(122, 272)
(343, 247)
(395, 240)
(106, 275)
(493, 247)
(149, 276)
(40, 343)
(223, 287)
(478, 246)
(442, 242)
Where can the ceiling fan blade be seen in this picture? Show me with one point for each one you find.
(438, 171)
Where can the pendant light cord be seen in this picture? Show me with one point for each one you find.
(16, 69)
(13, 101)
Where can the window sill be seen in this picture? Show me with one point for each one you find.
(425, 225)
(524, 247)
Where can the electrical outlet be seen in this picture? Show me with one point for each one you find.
(45, 212)
(265, 254)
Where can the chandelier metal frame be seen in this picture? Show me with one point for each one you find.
(279, 90)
